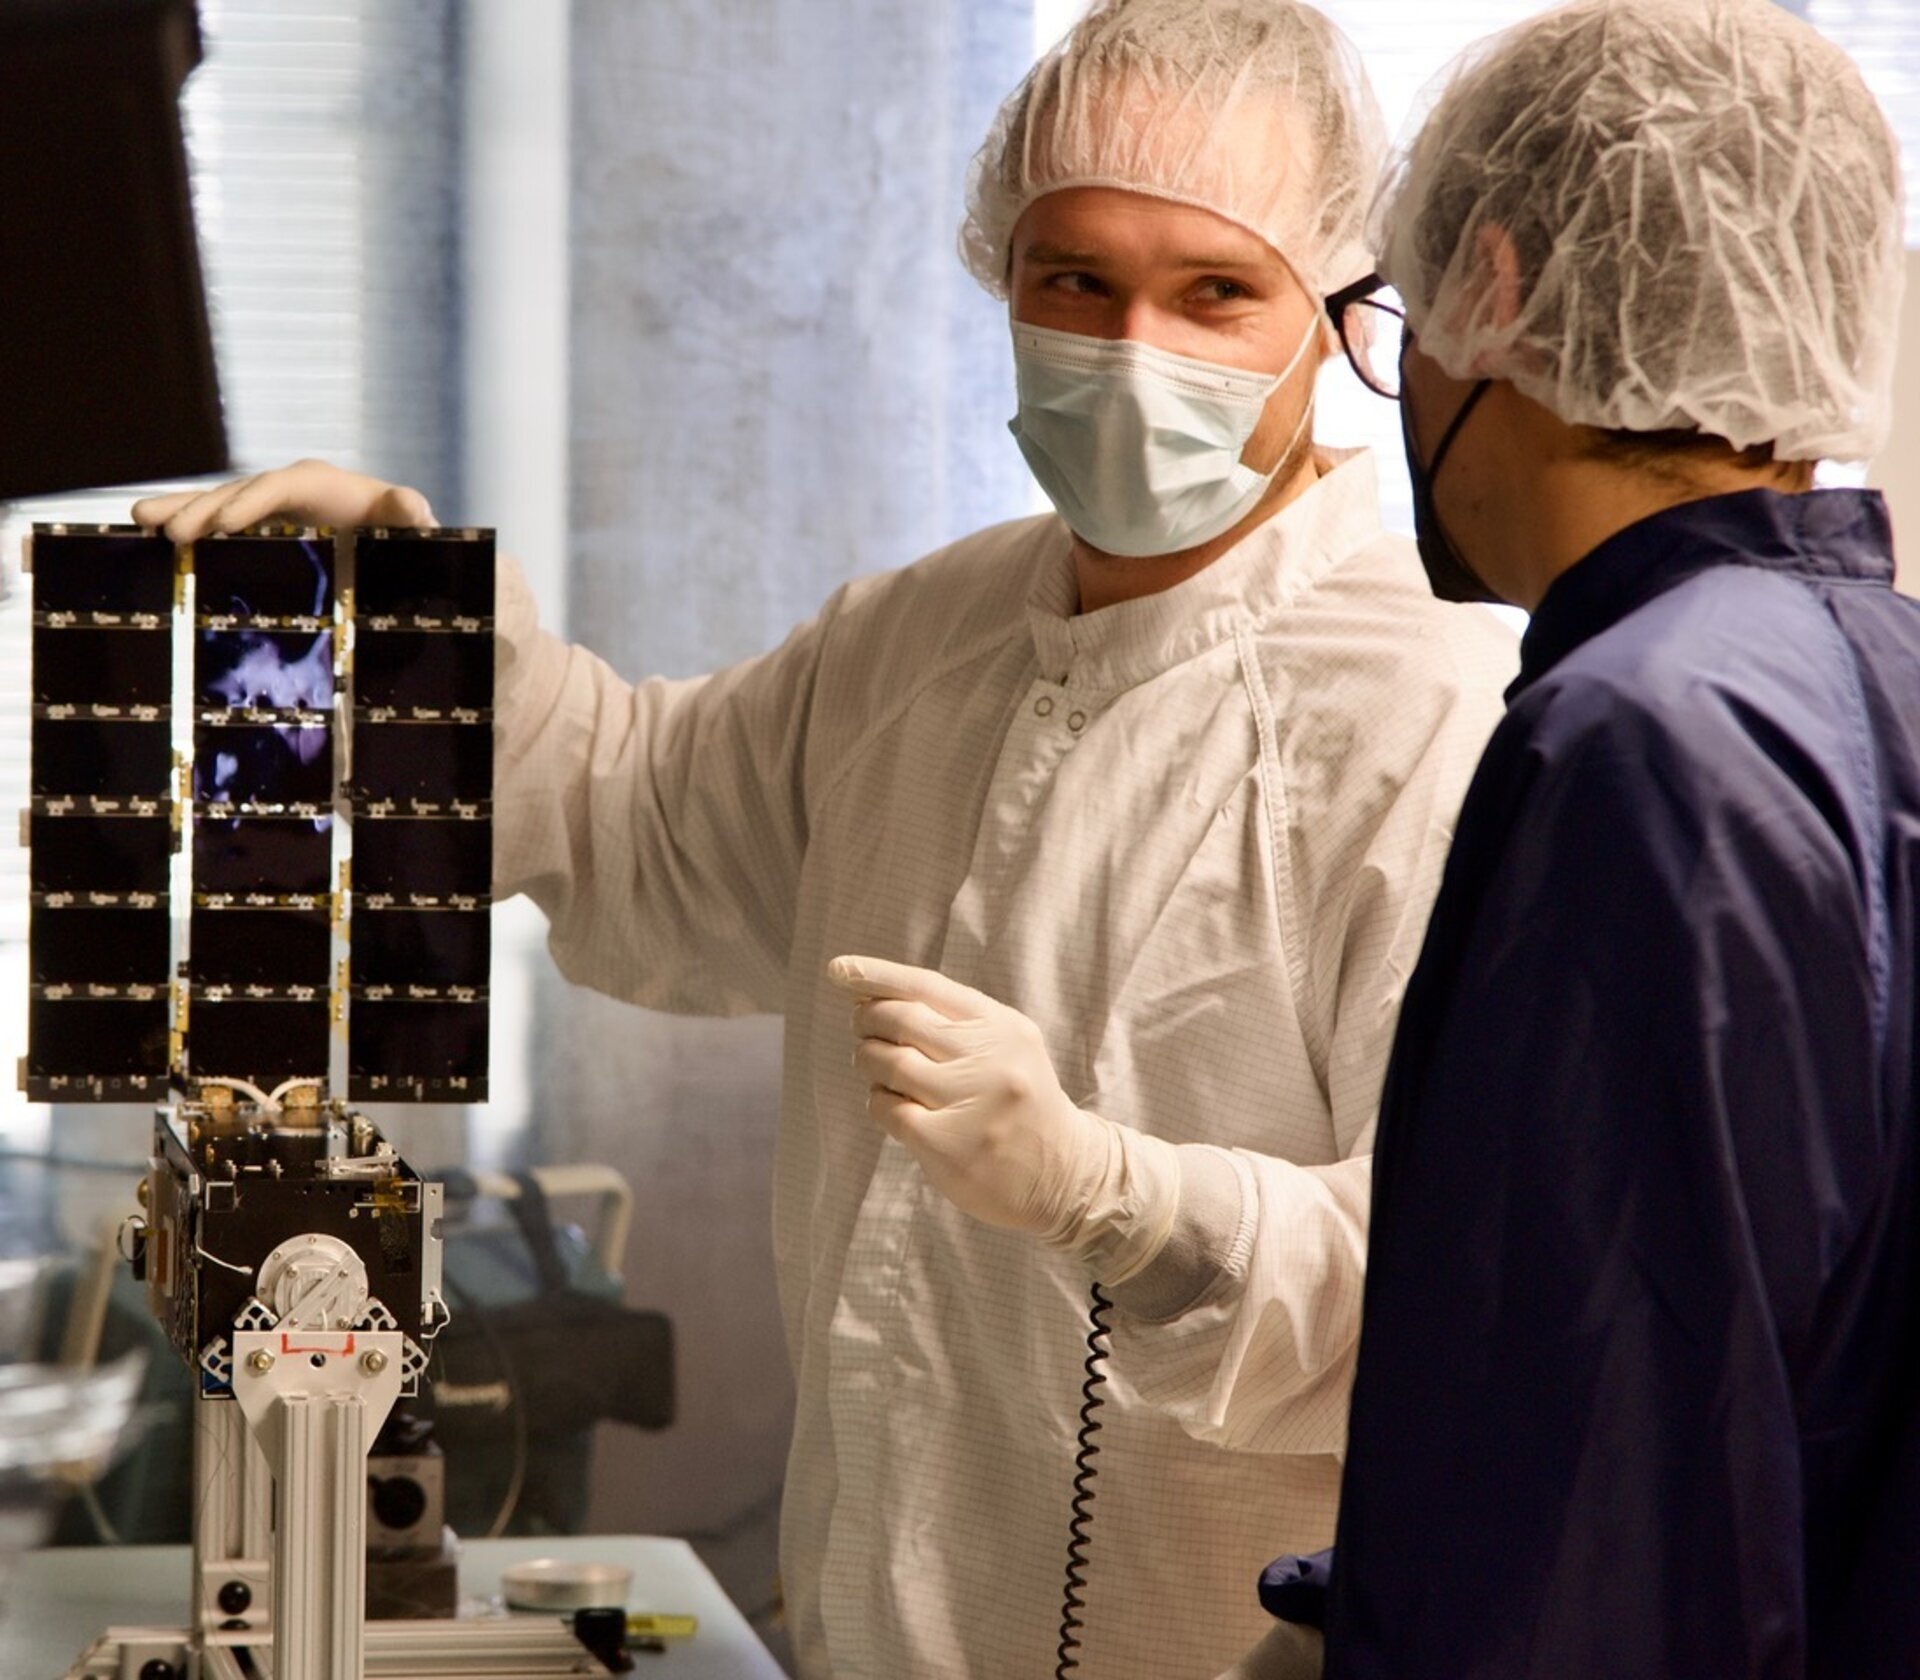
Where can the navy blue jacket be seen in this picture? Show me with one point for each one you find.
(1638, 1394)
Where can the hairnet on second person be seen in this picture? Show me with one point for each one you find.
(1660, 214)
(1257, 110)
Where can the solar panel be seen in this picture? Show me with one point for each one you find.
(422, 799)
(260, 795)
(101, 818)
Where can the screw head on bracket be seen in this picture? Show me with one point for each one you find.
(259, 1361)
(373, 1362)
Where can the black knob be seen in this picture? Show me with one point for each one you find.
(158, 1668)
(398, 1501)
(604, 1633)
(234, 1597)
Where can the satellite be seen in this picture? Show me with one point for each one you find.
(261, 836)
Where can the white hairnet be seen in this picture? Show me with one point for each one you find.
(1697, 204)
(1257, 110)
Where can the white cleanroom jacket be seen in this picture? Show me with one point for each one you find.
(1195, 837)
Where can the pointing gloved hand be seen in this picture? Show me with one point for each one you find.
(306, 493)
(967, 1085)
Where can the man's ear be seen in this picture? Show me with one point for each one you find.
(1500, 263)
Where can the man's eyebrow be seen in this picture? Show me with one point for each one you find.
(1219, 260)
(1041, 252)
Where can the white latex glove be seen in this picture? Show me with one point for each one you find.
(306, 493)
(967, 1085)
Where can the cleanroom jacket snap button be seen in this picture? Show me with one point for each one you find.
(1043, 707)
(1076, 721)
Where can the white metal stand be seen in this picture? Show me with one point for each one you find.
(314, 1399)
(280, 1542)
(280, 1570)
(314, 1363)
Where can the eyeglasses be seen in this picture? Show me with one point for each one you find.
(1372, 326)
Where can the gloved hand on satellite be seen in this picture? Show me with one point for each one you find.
(307, 493)
(966, 1084)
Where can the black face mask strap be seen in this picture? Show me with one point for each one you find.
(1453, 431)
(1451, 577)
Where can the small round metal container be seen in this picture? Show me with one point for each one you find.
(563, 1584)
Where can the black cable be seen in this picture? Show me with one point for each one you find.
(1091, 1400)
(503, 1363)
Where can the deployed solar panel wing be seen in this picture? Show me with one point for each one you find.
(102, 819)
(421, 790)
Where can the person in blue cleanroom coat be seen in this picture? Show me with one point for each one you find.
(1638, 1389)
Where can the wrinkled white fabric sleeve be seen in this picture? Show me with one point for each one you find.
(1246, 1326)
(1288, 1652)
(659, 825)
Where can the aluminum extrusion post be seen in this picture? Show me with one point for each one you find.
(316, 1399)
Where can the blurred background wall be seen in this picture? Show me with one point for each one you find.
(779, 377)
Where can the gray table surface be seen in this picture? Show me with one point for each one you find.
(61, 1599)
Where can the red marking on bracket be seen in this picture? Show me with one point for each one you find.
(340, 1344)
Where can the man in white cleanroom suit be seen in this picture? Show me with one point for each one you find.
(1172, 772)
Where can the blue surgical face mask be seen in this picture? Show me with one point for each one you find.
(1138, 448)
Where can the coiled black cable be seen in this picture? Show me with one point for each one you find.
(1091, 1400)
